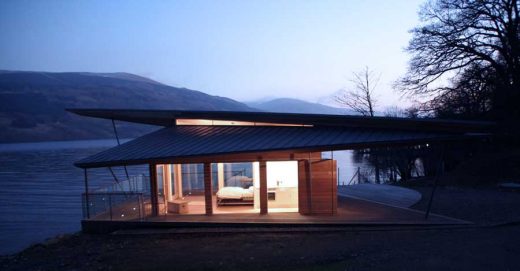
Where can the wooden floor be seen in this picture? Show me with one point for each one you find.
(350, 211)
(386, 194)
(196, 205)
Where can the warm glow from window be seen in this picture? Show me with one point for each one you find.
(206, 122)
(282, 174)
(193, 122)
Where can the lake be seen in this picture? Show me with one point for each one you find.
(40, 188)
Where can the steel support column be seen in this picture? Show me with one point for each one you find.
(118, 143)
(438, 173)
(87, 200)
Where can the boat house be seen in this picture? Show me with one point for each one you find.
(256, 163)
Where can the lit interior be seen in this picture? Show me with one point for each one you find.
(208, 122)
(236, 187)
(282, 186)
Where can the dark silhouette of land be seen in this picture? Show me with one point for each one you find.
(32, 104)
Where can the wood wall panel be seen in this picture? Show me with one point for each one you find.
(303, 187)
(263, 187)
(208, 189)
(154, 197)
(317, 187)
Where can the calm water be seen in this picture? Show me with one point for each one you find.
(40, 189)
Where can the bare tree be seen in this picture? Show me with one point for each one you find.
(394, 112)
(456, 35)
(470, 97)
(361, 97)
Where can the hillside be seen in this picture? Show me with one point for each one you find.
(287, 105)
(32, 103)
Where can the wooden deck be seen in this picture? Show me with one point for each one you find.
(350, 212)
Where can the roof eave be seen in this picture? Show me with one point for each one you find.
(351, 146)
(167, 118)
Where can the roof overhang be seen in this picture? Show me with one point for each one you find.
(182, 144)
(167, 118)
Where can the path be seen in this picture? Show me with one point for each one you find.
(381, 193)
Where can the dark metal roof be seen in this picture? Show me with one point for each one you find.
(167, 118)
(198, 141)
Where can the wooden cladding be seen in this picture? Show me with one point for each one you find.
(244, 157)
(208, 189)
(263, 187)
(154, 197)
(317, 189)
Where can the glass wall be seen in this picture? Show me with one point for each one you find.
(192, 179)
(235, 187)
(173, 189)
(282, 186)
(238, 174)
(235, 192)
(161, 178)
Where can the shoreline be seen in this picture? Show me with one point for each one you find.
(384, 249)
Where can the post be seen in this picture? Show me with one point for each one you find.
(339, 178)
(167, 186)
(87, 200)
(208, 193)
(114, 176)
(378, 179)
(140, 205)
(358, 175)
(309, 185)
(153, 190)
(435, 181)
(178, 181)
(118, 143)
(263, 187)
(334, 185)
(220, 175)
(110, 204)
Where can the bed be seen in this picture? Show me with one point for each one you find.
(233, 195)
(238, 191)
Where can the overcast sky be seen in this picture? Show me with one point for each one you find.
(245, 50)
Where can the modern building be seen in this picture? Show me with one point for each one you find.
(214, 162)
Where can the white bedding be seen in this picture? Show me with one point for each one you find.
(233, 192)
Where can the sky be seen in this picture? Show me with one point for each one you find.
(244, 50)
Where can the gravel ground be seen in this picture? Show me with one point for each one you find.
(485, 205)
(462, 249)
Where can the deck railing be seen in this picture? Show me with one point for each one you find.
(114, 206)
(137, 183)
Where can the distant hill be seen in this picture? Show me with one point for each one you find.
(32, 104)
(287, 105)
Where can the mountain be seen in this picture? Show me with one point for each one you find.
(287, 105)
(32, 104)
